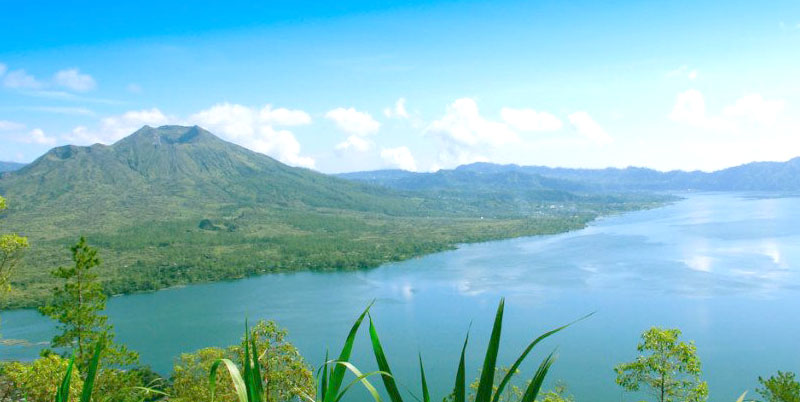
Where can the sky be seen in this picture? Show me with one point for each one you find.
(362, 85)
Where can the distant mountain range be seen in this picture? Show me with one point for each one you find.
(10, 166)
(756, 176)
(174, 205)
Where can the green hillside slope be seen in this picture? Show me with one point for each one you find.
(175, 205)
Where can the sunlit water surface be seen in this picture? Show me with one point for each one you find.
(721, 267)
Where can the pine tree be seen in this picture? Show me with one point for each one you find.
(77, 306)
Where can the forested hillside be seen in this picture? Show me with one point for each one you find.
(174, 205)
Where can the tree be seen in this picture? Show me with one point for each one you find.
(515, 392)
(11, 248)
(37, 381)
(782, 387)
(286, 374)
(77, 306)
(668, 368)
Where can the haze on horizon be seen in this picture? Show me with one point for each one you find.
(359, 85)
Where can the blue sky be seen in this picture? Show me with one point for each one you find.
(357, 85)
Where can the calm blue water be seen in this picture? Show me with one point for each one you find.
(724, 268)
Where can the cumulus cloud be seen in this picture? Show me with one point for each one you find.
(399, 157)
(37, 136)
(6, 125)
(114, 128)
(530, 120)
(254, 129)
(463, 124)
(353, 122)
(690, 109)
(354, 142)
(398, 111)
(583, 123)
(19, 79)
(284, 117)
(74, 80)
(755, 108)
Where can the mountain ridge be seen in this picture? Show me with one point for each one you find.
(174, 205)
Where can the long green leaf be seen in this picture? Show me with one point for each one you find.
(91, 375)
(507, 378)
(460, 390)
(426, 397)
(383, 364)
(337, 376)
(362, 378)
(741, 398)
(484, 393)
(62, 394)
(259, 384)
(536, 383)
(323, 388)
(236, 377)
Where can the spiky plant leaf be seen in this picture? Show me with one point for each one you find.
(486, 383)
(337, 375)
(536, 383)
(383, 365)
(236, 377)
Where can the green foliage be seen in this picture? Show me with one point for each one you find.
(485, 388)
(39, 380)
(285, 374)
(11, 248)
(77, 306)
(782, 387)
(670, 369)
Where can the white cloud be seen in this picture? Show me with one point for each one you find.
(3, 69)
(19, 79)
(690, 109)
(37, 136)
(284, 117)
(463, 124)
(117, 127)
(755, 108)
(6, 125)
(353, 122)
(74, 80)
(683, 71)
(530, 120)
(587, 127)
(354, 142)
(253, 129)
(399, 157)
(399, 111)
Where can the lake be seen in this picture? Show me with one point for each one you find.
(724, 268)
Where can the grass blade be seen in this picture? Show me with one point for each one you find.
(323, 387)
(507, 378)
(484, 393)
(236, 377)
(536, 383)
(91, 375)
(460, 390)
(337, 376)
(426, 396)
(741, 398)
(62, 394)
(383, 364)
(362, 378)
